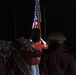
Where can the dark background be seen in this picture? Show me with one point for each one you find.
(16, 18)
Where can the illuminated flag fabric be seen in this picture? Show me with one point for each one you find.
(37, 16)
(35, 33)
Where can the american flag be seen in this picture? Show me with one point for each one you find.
(37, 15)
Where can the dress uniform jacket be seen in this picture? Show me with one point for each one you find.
(12, 67)
(40, 47)
(57, 63)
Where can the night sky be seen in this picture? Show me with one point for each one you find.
(16, 18)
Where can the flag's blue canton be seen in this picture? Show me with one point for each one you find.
(35, 19)
(37, 16)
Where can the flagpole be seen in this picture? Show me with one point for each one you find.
(14, 22)
(44, 23)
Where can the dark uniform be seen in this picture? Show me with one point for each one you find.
(55, 61)
(19, 62)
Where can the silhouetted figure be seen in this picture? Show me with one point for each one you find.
(19, 62)
(55, 61)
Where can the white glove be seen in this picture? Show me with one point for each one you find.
(43, 41)
(30, 40)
